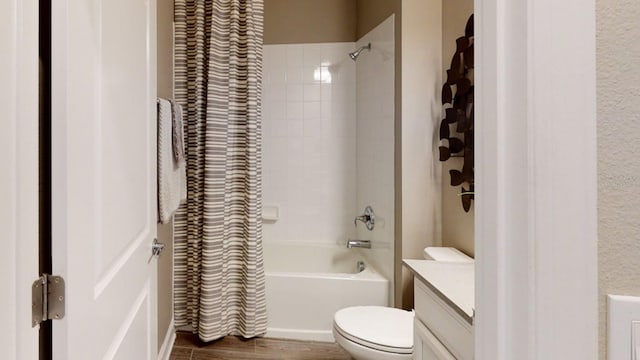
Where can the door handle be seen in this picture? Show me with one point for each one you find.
(156, 248)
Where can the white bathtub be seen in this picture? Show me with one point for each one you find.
(307, 284)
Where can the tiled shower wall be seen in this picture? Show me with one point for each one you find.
(375, 88)
(309, 142)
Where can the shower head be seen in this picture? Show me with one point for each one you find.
(354, 55)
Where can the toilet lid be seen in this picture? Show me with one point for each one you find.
(382, 328)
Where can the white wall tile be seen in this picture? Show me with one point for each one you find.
(294, 55)
(312, 55)
(275, 109)
(295, 110)
(278, 129)
(313, 127)
(273, 57)
(311, 92)
(278, 75)
(294, 75)
(295, 92)
(276, 92)
(295, 128)
(311, 173)
(309, 74)
(311, 110)
(325, 91)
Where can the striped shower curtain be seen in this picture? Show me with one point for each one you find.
(219, 284)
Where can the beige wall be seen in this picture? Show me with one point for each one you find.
(370, 13)
(309, 21)
(457, 225)
(165, 234)
(397, 159)
(618, 91)
(421, 113)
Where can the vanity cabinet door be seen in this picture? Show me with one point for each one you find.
(426, 346)
(443, 322)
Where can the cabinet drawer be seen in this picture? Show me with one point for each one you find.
(443, 321)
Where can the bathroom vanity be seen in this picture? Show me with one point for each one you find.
(444, 309)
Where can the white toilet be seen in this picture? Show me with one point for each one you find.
(383, 333)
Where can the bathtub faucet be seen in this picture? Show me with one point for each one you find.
(365, 244)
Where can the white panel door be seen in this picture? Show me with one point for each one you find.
(18, 176)
(104, 182)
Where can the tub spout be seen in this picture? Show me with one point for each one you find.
(366, 244)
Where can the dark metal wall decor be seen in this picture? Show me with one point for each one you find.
(456, 129)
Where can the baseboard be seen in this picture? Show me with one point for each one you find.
(167, 345)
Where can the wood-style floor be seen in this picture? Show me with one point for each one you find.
(189, 347)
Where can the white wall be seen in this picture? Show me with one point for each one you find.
(535, 225)
(309, 142)
(375, 77)
(618, 80)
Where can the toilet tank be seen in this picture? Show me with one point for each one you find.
(446, 254)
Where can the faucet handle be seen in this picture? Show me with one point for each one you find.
(368, 218)
(363, 218)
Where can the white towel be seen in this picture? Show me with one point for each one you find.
(172, 176)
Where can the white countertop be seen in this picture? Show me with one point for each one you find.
(454, 282)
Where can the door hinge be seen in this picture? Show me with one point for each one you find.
(48, 299)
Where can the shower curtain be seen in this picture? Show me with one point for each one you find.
(219, 286)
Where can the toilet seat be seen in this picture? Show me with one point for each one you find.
(380, 328)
